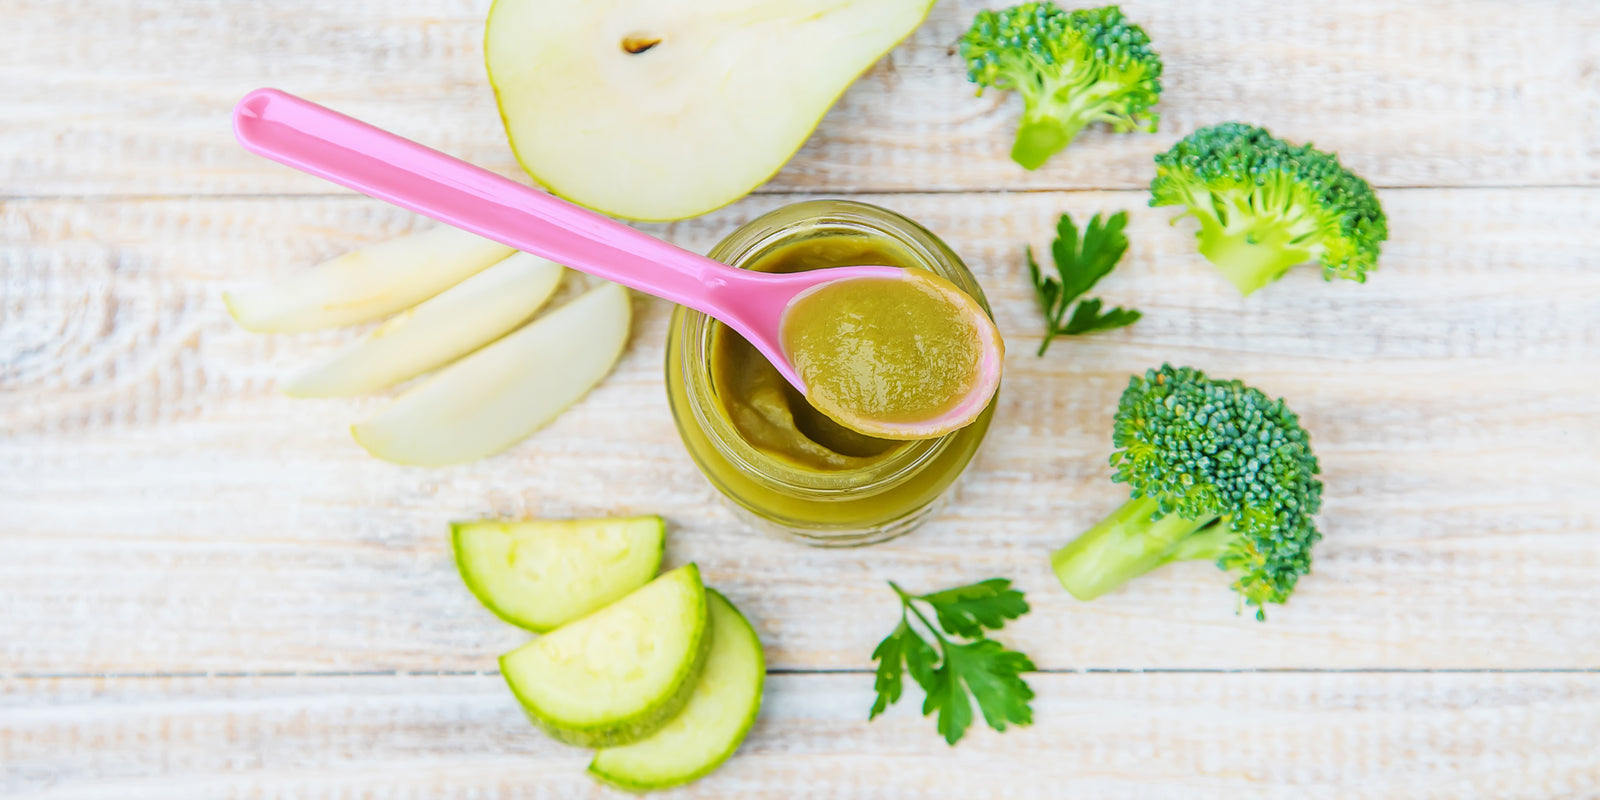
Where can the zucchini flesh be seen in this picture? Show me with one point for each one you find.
(619, 674)
(541, 574)
(709, 729)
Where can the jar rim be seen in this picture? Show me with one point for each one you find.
(744, 246)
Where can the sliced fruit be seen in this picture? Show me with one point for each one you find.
(500, 394)
(366, 284)
(443, 328)
(541, 574)
(662, 111)
(711, 726)
(619, 674)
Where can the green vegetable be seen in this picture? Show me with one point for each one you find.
(948, 671)
(619, 674)
(1080, 264)
(707, 731)
(1265, 205)
(540, 574)
(1072, 69)
(1219, 472)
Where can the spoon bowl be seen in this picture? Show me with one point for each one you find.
(322, 142)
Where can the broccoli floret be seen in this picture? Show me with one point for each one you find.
(1219, 472)
(1265, 205)
(1072, 68)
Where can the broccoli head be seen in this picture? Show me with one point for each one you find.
(1072, 68)
(1265, 205)
(1219, 472)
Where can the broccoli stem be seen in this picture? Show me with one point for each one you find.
(1250, 256)
(1039, 139)
(1206, 544)
(1127, 544)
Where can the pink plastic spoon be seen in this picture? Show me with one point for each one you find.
(330, 145)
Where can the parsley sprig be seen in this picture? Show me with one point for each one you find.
(949, 670)
(1080, 264)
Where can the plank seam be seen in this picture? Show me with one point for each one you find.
(31, 676)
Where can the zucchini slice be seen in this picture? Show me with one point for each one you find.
(707, 731)
(541, 574)
(619, 674)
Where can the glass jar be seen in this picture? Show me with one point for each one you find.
(828, 507)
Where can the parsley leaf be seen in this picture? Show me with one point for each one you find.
(954, 673)
(993, 674)
(890, 656)
(1086, 318)
(947, 696)
(967, 610)
(1080, 263)
(903, 651)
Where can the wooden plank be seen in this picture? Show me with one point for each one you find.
(1412, 736)
(132, 96)
(164, 509)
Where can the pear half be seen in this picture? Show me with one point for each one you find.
(658, 110)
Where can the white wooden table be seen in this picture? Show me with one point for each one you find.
(208, 590)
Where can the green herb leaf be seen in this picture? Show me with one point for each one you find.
(947, 696)
(1047, 288)
(921, 660)
(968, 610)
(993, 674)
(1081, 261)
(1081, 266)
(890, 656)
(953, 673)
(1086, 318)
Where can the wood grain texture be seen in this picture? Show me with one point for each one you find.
(1406, 737)
(165, 510)
(132, 97)
(165, 513)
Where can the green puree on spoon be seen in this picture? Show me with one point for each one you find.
(883, 356)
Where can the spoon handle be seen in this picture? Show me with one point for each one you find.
(349, 152)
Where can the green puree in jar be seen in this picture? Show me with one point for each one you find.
(768, 412)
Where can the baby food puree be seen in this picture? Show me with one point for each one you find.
(886, 350)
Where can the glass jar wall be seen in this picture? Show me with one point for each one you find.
(784, 467)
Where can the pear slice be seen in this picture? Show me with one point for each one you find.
(365, 284)
(661, 111)
(451, 324)
(499, 395)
